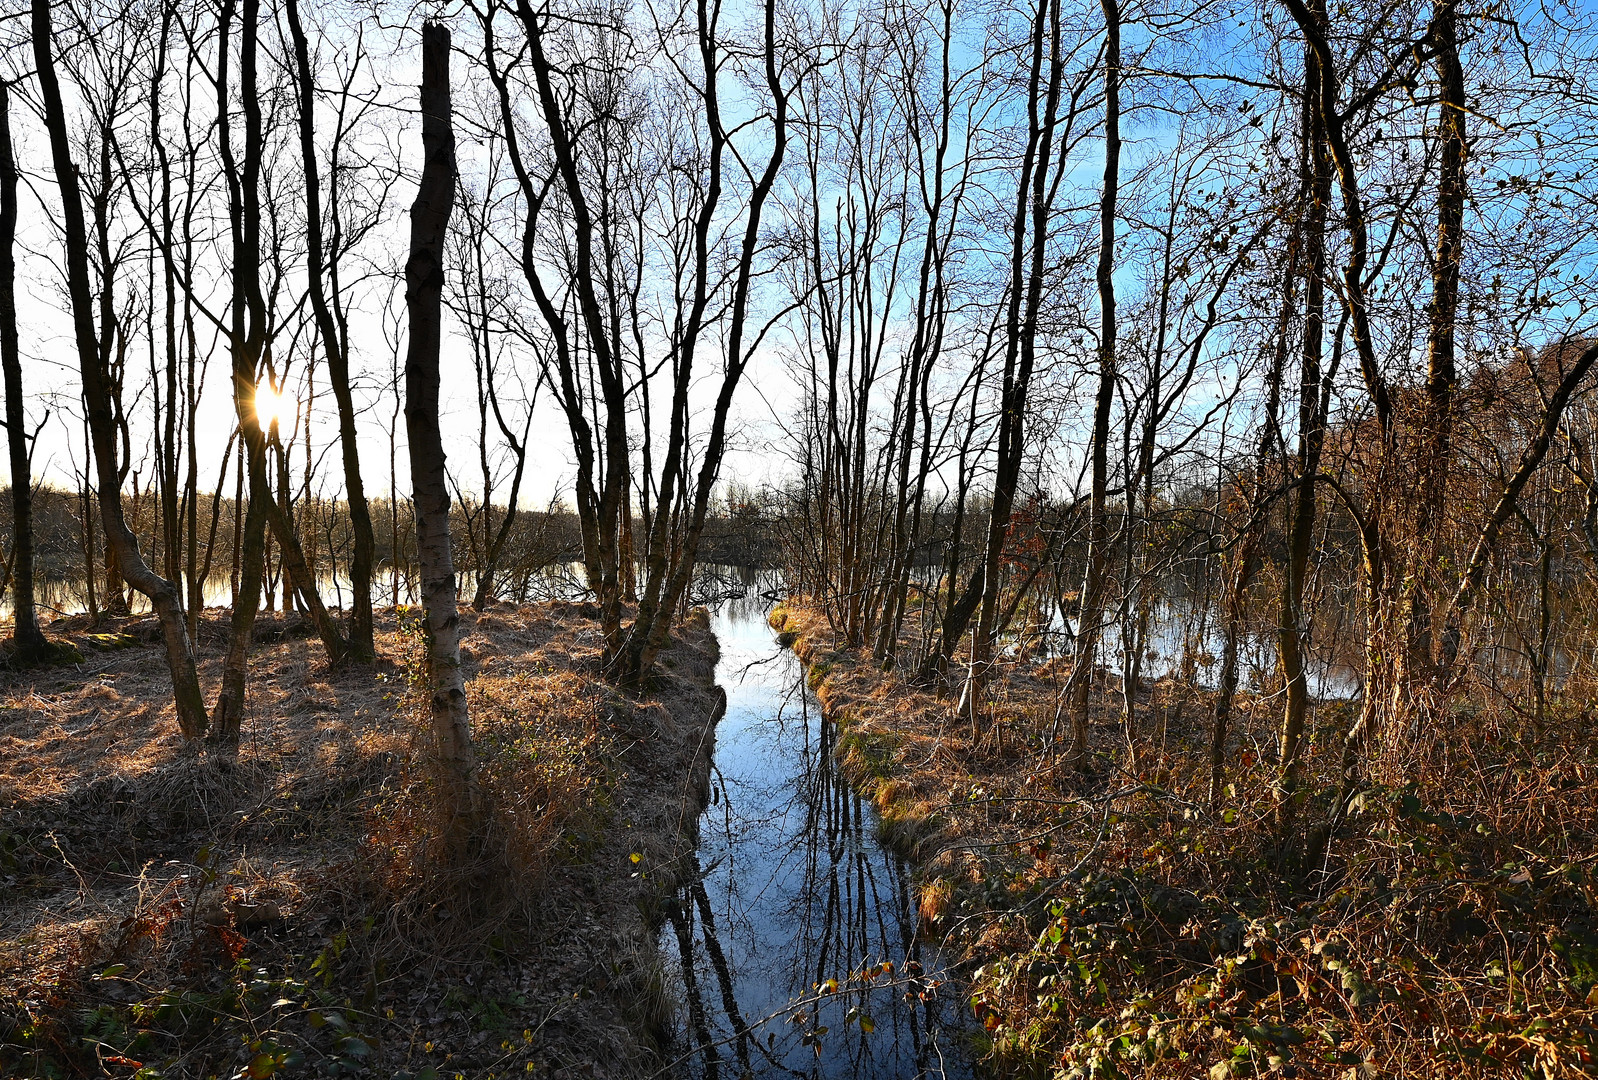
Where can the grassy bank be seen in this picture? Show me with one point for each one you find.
(168, 915)
(1115, 926)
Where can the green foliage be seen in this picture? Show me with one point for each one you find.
(817, 673)
(283, 1024)
(867, 754)
(1127, 974)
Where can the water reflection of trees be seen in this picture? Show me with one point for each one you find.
(802, 860)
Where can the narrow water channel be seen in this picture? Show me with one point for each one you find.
(795, 892)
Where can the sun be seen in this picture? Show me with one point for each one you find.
(271, 406)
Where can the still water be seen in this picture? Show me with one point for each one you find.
(795, 891)
(559, 581)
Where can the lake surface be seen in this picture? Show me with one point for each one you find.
(797, 892)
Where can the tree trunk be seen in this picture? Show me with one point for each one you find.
(1441, 370)
(285, 510)
(1245, 554)
(86, 500)
(424, 278)
(28, 638)
(194, 383)
(1292, 632)
(246, 340)
(1093, 583)
(167, 442)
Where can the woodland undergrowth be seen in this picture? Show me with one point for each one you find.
(1115, 927)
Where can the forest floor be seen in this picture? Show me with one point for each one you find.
(1113, 924)
(164, 914)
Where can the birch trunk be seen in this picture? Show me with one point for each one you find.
(424, 278)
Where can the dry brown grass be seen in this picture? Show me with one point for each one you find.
(283, 911)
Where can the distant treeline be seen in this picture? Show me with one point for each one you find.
(743, 533)
(66, 551)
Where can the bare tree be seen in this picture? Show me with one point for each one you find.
(164, 596)
(571, 190)
(333, 331)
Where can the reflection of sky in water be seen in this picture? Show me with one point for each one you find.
(558, 581)
(796, 891)
(1175, 625)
